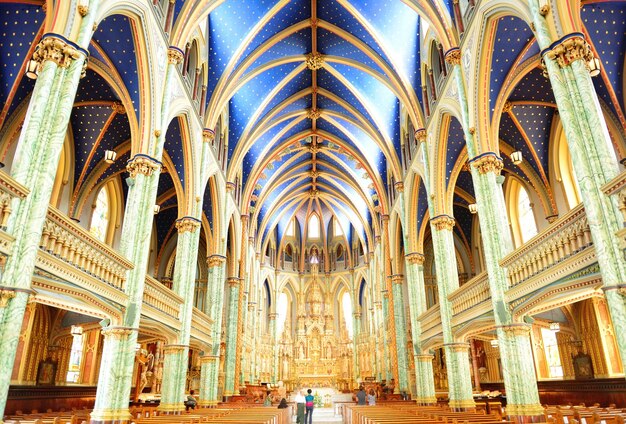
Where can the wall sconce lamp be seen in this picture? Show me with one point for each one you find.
(555, 326)
(157, 208)
(109, 156)
(594, 67)
(473, 208)
(544, 7)
(517, 157)
(32, 69)
(494, 343)
(76, 330)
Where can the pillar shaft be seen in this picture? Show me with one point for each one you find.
(177, 356)
(217, 270)
(231, 336)
(240, 302)
(114, 382)
(35, 165)
(457, 360)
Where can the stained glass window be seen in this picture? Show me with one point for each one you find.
(100, 216)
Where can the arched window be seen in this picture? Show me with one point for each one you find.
(100, 216)
(565, 172)
(282, 306)
(551, 346)
(314, 227)
(527, 223)
(346, 304)
(76, 356)
(521, 213)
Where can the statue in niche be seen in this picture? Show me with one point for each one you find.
(301, 352)
(329, 351)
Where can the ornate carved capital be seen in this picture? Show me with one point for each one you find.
(314, 61)
(208, 135)
(187, 223)
(487, 162)
(142, 164)
(313, 113)
(118, 333)
(517, 329)
(443, 222)
(230, 186)
(175, 56)
(458, 347)
(5, 296)
(420, 134)
(415, 258)
(215, 260)
(207, 359)
(568, 49)
(174, 348)
(57, 49)
(424, 357)
(232, 281)
(399, 186)
(272, 315)
(384, 218)
(313, 193)
(453, 56)
(508, 106)
(397, 279)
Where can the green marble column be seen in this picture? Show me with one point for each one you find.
(217, 270)
(400, 321)
(387, 374)
(61, 64)
(114, 382)
(424, 378)
(272, 318)
(177, 355)
(588, 140)
(231, 336)
(207, 365)
(457, 359)
(522, 393)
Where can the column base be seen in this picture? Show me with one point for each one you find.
(207, 403)
(171, 408)
(429, 401)
(110, 416)
(462, 405)
(533, 413)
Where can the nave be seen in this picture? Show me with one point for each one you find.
(227, 201)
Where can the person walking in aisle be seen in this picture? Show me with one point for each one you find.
(300, 407)
(309, 398)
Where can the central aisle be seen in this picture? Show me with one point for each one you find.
(324, 416)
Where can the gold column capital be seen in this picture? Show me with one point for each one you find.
(215, 260)
(208, 135)
(487, 162)
(142, 164)
(399, 186)
(5, 296)
(187, 223)
(174, 348)
(453, 56)
(397, 278)
(458, 347)
(519, 329)
(415, 258)
(232, 281)
(443, 222)
(420, 134)
(56, 48)
(175, 56)
(118, 333)
(569, 49)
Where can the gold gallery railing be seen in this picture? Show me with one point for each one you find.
(564, 238)
(473, 293)
(9, 190)
(74, 245)
(161, 298)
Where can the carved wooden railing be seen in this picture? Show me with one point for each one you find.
(75, 246)
(161, 298)
(201, 326)
(564, 238)
(430, 322)
(9, 190)
(473, 293)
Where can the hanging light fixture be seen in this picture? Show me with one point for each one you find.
(517, 157)
(494, 343)
(109, 156)
(76, 330)
(473, 208)
(594, 66)
(157, 208)
(137, 347)
(32, 69)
